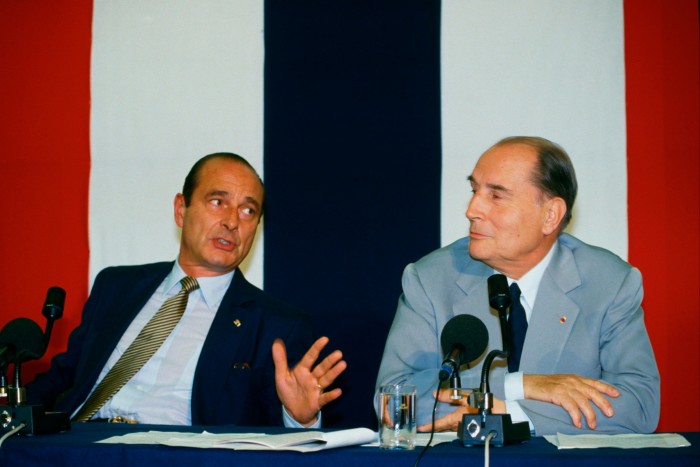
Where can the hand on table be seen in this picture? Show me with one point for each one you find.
(573, 393)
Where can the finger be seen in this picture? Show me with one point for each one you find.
(573, 411)
(448, 422)
(329, 396)
(595, 391)
(425, 427)
(328, 363)
(602, 403)
(312, 354)
(589, 414)
(279, 357)
(326, 379)
(606, 388)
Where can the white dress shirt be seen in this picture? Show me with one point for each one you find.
(529, 285)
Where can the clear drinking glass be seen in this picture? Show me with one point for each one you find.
(397, 416)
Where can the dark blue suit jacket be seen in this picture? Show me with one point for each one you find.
(234, 379)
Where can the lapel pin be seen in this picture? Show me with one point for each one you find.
(237, 323)
(562, 320)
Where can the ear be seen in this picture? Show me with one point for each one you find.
(179, 209)
(555, 208)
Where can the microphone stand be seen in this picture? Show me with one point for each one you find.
(498, 429)
(18, 416)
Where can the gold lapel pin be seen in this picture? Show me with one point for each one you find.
(562, 320)
(237, 323)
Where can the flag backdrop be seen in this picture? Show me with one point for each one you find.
(364, 119)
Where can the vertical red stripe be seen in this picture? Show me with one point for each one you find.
(45, 158)
(663, 107)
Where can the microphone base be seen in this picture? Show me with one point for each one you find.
(475, 428)
(36, 420)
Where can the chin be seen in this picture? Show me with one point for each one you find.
(478, 254)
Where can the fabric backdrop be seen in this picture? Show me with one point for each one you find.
(364, 119)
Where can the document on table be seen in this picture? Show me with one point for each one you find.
(302, 441)
(624, 441)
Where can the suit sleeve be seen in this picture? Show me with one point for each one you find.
(626, 362)
(412, 351)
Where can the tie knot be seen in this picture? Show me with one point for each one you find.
(189, 284)
(515, 292)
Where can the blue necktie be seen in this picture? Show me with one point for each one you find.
(518, 328)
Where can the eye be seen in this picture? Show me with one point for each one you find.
(215, 202)
(248, 211)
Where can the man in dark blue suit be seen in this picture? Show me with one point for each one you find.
(225, 362)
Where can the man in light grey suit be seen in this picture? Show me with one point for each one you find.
(587, 363)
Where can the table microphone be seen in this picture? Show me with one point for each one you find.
(478, 429)
(22, 340)
(463, 339)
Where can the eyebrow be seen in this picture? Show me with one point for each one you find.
(491, 186)
(225, 194)
(253, 201)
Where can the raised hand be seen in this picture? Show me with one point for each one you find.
(301, 389)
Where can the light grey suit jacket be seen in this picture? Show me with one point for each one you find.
(587, 320)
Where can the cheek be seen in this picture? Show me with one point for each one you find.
(247, 231)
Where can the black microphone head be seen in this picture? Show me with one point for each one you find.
(499, 293)
(53, 305)
(467, 332)
(25, 338)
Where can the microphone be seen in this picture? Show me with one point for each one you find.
(22, 339)
(463, 339)
(499, 299)
(485, 427)
(52, 310)
(53, 305)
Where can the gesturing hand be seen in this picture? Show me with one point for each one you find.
(300, 389)
(573, 393)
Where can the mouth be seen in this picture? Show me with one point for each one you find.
(224, 244)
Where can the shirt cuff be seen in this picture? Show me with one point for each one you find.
(289, 422)
(514, 391)
(513, 386)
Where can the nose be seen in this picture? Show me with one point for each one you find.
(474, 210)
(230, 220)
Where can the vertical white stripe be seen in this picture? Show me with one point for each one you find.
(171, 81)
(552, 68)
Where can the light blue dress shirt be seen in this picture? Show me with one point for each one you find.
(161, 391)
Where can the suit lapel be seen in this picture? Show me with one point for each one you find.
(474, 300)
(232, 334)
(554, 314)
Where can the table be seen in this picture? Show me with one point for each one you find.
(76, 448)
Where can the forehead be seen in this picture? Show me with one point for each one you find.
(228, 176)
(508, 165)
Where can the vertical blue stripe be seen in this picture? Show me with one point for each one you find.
(352, 169)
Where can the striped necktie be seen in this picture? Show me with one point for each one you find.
(518, 328)
(140, 351)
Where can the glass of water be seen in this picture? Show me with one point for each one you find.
(397, 416)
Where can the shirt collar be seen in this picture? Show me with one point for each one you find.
(212, 289)
(529, 283)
